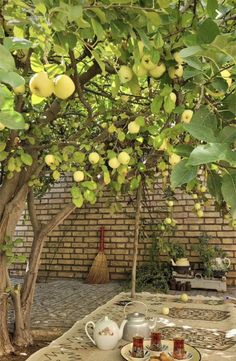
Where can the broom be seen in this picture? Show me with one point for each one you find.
(99, 272)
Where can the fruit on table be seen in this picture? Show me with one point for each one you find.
(184, 297)
(165, 310)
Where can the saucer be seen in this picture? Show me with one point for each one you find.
(156, 353)
(126, 354)
(188, 356)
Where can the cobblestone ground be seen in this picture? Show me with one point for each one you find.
(59, 303)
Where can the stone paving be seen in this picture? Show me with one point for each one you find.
(59, 303)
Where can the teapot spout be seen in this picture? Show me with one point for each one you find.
(121, 329)
(152, 323)
(173, 262)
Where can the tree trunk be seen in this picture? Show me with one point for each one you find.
(10, 217)
(136, 239)
(40, 236)
(5, 342)
(22, 334)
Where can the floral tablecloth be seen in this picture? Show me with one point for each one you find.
(209, 324)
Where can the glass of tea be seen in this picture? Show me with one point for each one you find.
(155, 341)
(138, 350)
(178, 349)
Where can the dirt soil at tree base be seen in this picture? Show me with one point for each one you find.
(21, 354)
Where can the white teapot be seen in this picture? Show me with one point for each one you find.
(221, 263)
(106, 333)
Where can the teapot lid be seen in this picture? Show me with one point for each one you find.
(136, 317)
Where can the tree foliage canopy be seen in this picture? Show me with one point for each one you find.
(140, 62)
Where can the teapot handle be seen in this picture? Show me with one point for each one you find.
(87, 333)
(129, 303)
(227, 260)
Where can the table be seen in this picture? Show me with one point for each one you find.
(206, 323)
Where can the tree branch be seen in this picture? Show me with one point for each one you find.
(32, 211)
(78, 86)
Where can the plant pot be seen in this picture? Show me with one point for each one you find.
(218, 273)
(181, 269)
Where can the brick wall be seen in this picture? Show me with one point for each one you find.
(71, 248)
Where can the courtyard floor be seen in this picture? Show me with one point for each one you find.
(60, 303)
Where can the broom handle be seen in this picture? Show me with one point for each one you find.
(101, 246)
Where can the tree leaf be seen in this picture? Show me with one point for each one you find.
(230, 103)
(156, 104)
(11, 78)
(208, 31)
(227, 135)
(208, 153)
(229, 191)
(190, 51)
(98, 29)
(26, 159)
(90, 185)
(7, 62)
(75, 192)
(78, 202)
(16, 43)
(212, 6)
(182, 173)
(12, 119)
(214, 186)
(200, 132)
(36, 64)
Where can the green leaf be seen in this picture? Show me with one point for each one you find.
(230, 103)
(156, 104)
(135, 183)
(208, 153)
(7, 62)
(98, 29)
(78, 202)
(36, 64)
(121, 136)
(153, 17)
(100, 14)
(200, 132)
(214, 186)
(227, 135)
(182, 173)
(3, 156)
(75, 192)
(11, 78)
(12, 119)
(140, 121)
(26, 159)
(169, 105)
(90, 196)
(78, 157)
(16, 43)
(203, 125)
(183, 150)
(90, 185)
(75, 12)
(229, 191)
(208, 31)
(190, 51)
(212, 6)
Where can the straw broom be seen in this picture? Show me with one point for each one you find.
(99, 272)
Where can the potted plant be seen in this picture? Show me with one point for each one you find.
(177, 254)
(214, 260)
